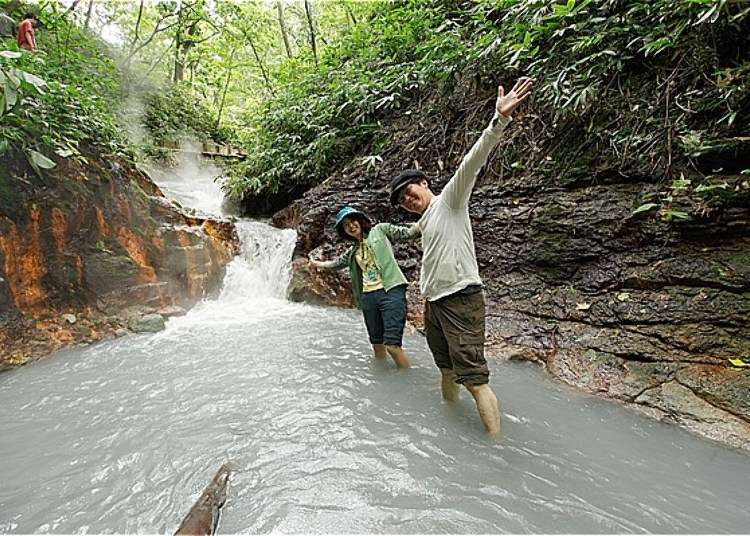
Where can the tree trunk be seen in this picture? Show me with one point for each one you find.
(203, 517)
(182, 49)
(282, 25)
(230, 67)
(311, 26)
(350, 12)
(87, 23)
(72, 8)
(132, 49)
(260, 64)
(178, 72)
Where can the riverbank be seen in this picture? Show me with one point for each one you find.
(625, 304)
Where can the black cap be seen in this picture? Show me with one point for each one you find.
(402, 180)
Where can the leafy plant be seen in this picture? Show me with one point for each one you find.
(58, 99)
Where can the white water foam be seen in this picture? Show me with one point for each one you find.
(255, 283)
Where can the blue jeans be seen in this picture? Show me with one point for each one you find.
(385, 315)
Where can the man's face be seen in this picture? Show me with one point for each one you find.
(352, 227)
(415, 197)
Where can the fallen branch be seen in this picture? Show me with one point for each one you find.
(203, 517)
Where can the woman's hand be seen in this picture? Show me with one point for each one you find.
(314, 262)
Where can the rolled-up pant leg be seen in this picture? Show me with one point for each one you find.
(458, 323)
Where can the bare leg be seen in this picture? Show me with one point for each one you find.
(448, 385)
(398, 355)
(487, 406)
(379, 350)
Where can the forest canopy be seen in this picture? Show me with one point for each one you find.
(302, 87)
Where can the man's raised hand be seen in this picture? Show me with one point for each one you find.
(506, 104)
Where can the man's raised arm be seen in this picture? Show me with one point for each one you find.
(458, 190)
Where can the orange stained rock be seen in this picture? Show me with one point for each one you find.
(24, 265)
(123, 207)
(59, 230)
(137, 251)
(134, 245)
(158, 242)
(221, 239)
(192, 275)
(101, 223)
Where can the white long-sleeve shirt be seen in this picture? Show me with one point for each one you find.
(449, 261)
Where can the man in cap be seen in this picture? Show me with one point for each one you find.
(449, 280)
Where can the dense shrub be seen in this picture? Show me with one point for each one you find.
(174, 113)
(628, 86)
(61, 98)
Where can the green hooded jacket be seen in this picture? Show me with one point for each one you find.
(378, 239)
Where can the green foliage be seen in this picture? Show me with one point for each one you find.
(175, 113)
(322, 114)
(636, 87)
(647, 88)
(56, 100)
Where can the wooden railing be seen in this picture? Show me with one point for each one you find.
(206, 148)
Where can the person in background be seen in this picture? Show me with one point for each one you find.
(25, 36)
(7, 26)
(454, 314)
(378, 286)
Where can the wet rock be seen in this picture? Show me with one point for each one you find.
(589, 369)
(627, 307)
(99, 237)
(315, 285)
(721, 386)
(171, 310)
(151, 323)
(679, 404)
(639, 377)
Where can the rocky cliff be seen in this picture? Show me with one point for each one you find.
(637, 306)
(90, 246)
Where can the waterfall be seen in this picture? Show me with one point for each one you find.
(263, 268)
(256, 281)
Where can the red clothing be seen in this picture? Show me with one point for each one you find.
(24, 28)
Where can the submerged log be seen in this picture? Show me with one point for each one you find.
(203, 517)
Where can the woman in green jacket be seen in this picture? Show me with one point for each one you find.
(378, 286)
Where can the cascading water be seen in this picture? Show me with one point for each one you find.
(263, 268)
(255, 283)
(122, 436)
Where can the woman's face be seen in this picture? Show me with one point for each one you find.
(353, 228)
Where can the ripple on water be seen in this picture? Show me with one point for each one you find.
(123, 436)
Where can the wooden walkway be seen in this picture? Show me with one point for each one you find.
(206, 148)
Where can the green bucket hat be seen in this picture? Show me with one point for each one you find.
(343, 214)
